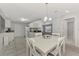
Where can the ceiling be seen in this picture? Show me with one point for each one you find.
(33, 11)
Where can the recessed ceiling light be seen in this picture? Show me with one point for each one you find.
(23, 19)
(45, 18)
(67, 11)
(50, 19)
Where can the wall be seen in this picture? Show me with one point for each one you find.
(77, 30)
(7, 23)
(58, 25)
(36, 24)
(19, 29)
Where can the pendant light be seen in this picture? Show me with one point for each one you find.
(46, 18)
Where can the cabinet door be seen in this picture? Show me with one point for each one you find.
(70, 30)
(10, 37)
(1, 40)
(5, 40)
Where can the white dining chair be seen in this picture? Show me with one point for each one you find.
(57, 50)
(33, 51)
(27, 47)
(56, 34)
(38, 34)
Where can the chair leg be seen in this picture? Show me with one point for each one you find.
(30, 52)
(64, 47)
(59, 52)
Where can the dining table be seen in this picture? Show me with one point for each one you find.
(46, 45)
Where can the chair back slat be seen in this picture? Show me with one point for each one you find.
(32, 48)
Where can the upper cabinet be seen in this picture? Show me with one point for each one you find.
(2, 24)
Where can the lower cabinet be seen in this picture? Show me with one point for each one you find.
(1, 40)
(8, 37)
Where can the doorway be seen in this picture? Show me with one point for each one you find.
(70, 31)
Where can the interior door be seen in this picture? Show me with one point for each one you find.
(70, 31)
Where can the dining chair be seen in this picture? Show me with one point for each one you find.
(57, 50)
(38, 34)
(33, 50)
(56, 34)
(27, 47)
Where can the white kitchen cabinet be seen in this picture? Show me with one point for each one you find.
(8, 37)
(1, 40)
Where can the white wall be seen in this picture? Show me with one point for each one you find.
(36, 24)
(77, 30)
(58, 25)
(7, 23)
(19, 28)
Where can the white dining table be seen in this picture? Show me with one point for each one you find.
(45, 45)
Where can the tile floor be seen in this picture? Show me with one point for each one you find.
(15, 48)
(18, 48)
(71, 50)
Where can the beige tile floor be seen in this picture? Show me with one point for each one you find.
(18, 48)
(15, 48)
(71, 50)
